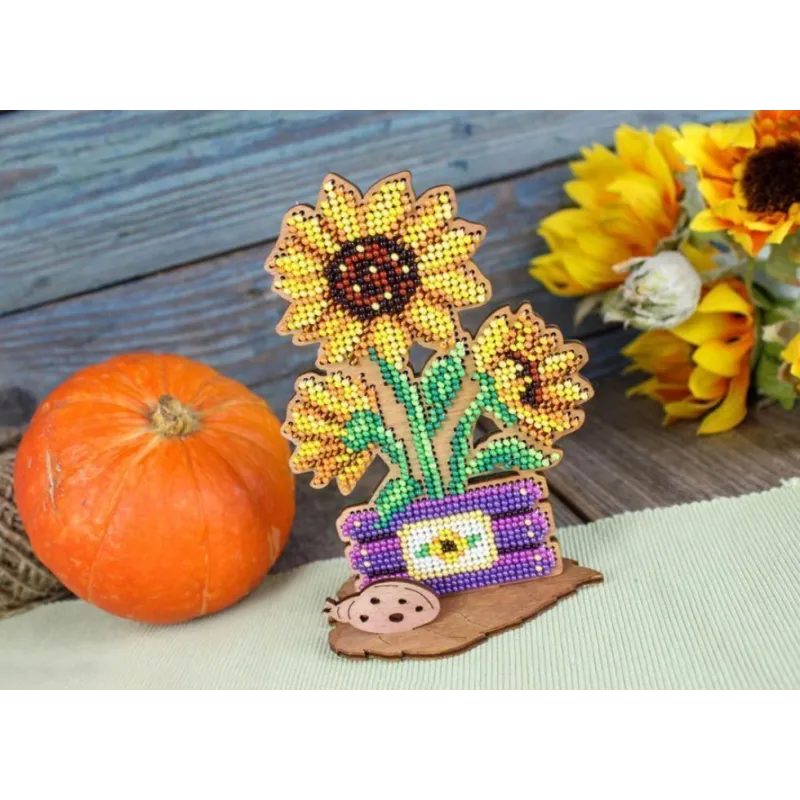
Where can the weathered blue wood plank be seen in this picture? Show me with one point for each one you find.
(91, 199)
(220, 310)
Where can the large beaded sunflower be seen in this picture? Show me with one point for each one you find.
(321, 421)
(529, 376)
(378, 271)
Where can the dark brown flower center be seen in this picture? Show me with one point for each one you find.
(373, 276)
(771, 179)
(532, 395)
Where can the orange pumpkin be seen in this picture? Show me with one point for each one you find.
(155, 488)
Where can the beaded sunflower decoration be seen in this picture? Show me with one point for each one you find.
(442, 555)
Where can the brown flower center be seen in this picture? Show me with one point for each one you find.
(532, 395)
(373, 276)
(771, 179)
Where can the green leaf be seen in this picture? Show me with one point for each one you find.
(508, 452)
(784, 261)
(395, 496)
(440, 383)
(363, 430)
(766, 377)
(761, 297)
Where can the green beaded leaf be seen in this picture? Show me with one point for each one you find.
(363, 430)
(508, 452)
(395, 496)
(440, 383)
(493, 403)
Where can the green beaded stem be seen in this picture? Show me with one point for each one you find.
(366, 428)
(461, 443)
(408, 396)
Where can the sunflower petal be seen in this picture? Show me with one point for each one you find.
(454, 247)
(732, 410)
(707, 222)
(460, 287)
(338, 205)
(549, 270)
(348, 477)
(733, 134)
(431, 322)
(302, 315)
(654, 351)
(343, 334)
(724, 298)
(429, 220)
(387, 204)
(723, 358)
(690, 408)
(705, 385)
(701, 328)
(390, 338)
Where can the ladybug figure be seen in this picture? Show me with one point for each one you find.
(387, 607)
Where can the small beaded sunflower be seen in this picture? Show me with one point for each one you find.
(529, 376)
(379, 271)
(325, 419)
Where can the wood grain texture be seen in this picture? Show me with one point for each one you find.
(623, 459)
(466, 619)
(95, 198)
(221, 311)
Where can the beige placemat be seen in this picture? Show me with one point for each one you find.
(705, 595)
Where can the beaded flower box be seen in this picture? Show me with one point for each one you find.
(489, 535)
(367, 277)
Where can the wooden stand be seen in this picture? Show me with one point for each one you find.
(466, 618)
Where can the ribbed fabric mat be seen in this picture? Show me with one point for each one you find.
(705, 595)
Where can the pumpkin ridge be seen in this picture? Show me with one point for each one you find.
(221, 427)
(226, 404)
(135, 461)
(207, 382)
(208, 435)
(61, 404)
(135, 388)
(239, 480)
(204, 514)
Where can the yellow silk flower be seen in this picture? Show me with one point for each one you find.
(749, 176)
(628, 202)
(791, 357)
(701, 367)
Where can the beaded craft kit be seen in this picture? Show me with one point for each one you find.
(446, 552)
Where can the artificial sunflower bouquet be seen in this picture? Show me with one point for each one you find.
(692, 237)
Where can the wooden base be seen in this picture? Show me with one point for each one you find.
(465, 620)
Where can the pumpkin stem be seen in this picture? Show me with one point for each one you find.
(172, 418)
